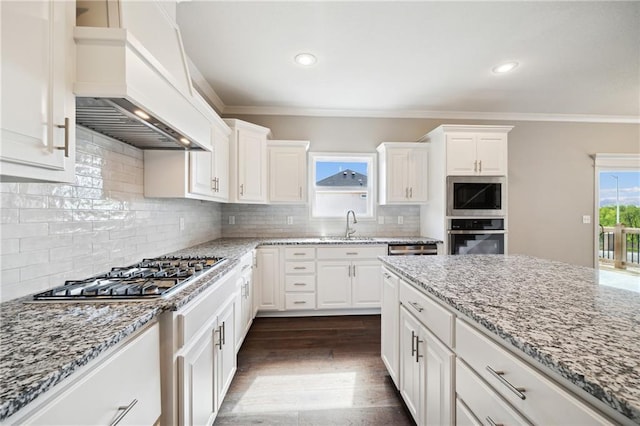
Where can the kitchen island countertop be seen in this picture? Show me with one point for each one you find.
(555, 314)
(42, 343)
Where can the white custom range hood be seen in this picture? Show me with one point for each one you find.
(132, 79)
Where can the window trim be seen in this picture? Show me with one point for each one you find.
(369, 157)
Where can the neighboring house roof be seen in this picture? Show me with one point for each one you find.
(344, 178)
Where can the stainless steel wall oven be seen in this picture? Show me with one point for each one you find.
(477, 236)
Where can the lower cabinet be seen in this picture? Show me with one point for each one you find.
(390, 324)
(426, 373)
(244, 298)
(125, 386)
(267, 292)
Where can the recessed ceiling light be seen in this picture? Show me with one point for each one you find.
(141, 114)
(185, 141)
(506, 67)
(306, 59)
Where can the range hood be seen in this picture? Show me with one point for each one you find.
(132, 78)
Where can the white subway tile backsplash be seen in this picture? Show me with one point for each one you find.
(55, 232)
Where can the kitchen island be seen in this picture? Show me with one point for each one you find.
(554, 316)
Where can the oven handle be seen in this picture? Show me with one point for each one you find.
(476, 232)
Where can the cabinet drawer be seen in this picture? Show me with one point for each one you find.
(200, 312)
(299, 253)
(297, 283)
(129, 374)
(307, 267)
(351, 252)
(433, 316)
(295, 301)
(246, 262)
(483, 402)
(544, 401)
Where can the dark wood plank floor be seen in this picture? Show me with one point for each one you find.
(313, 371)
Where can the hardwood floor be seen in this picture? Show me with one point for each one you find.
(313, 371)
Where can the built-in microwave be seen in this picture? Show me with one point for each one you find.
(476, 196)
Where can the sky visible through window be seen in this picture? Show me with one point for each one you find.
(628, 188)
(325, 169)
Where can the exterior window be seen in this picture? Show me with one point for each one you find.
(342, 182)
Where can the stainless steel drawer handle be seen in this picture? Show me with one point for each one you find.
(417, 307)
(414, 337)
(500, 376)
(492, 423)
(387, 275)
(299, 268)
(124, 411)
(299, 254)
(352, 253)
(244, 267)
(299, 302)
(418, 341)
(299, 284)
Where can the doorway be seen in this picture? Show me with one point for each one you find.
(617, 220)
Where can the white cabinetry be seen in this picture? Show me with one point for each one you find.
(403, 172)
(126, 383)
(390, 324)
(299, 278)
(355, 282)
(287, 166)
(248, 162)
(37, 69)
(426, 364)
(267, 293)
(476, 153)
(244, 298)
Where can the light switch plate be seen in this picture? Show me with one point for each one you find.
(232, 220)
(586, 219)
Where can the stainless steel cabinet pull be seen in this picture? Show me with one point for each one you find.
(413, 342)
(244, 267)
(125, 410)
(299, 268)
(354, 270)
(387, 275)
(406, 192)
(349, 271)
(242, 189)
(500, 376)
(299, 302)
(299, 254)
(417, 307)
(475, 166)
(224, 332)
(299, 284)
(480, 166)
(352, 253)
(492, 423)
(418, 341)
(410, 192)
(65, 126)
(300, 192)
(219, 331)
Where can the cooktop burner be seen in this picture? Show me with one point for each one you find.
(148, 279)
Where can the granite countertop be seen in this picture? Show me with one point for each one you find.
(41, 343)
(555, 313)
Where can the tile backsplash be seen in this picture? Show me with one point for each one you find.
(271, 221)
(54, 232)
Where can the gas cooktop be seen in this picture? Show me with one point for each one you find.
(151, 278)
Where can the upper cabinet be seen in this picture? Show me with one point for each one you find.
(287, 165)
(37, 68)
(476, 151)
(247, 162)
(403, 168)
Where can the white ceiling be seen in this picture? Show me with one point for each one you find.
(578, 60)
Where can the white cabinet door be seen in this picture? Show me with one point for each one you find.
(334, 284)
(197, 377)
(411, 364)
(287, 172)
(226, 348)
(252, 166)
(491, 151)
(220, 165)
(440, 395)
(38, 114)
(201, 180)
(418, 175)
(390, 324)
(397, 170)
(267, 280)
(461, 154)
(366, 284)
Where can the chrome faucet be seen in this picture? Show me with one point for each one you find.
(350, 231)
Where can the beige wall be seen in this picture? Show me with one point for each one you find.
(551, 174)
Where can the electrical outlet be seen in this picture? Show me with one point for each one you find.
(289, 220)
(400, 220)
(232, 220)
(586, 219)
(182, 224)
(380, 220)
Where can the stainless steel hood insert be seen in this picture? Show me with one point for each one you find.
(119, 119)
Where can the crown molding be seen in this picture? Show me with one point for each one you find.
(462, 115)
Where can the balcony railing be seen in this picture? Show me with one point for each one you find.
(620, 246)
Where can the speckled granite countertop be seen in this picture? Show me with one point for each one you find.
(41, 343)
(556, 313)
